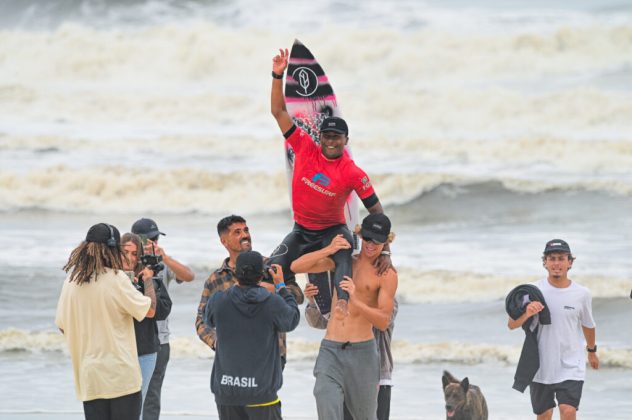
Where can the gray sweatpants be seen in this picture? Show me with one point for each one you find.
(347, 373)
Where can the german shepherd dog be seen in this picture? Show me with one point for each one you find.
(462, 400)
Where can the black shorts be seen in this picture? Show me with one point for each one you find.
(543, 396)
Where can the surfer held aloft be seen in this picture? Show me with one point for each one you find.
(322, 180)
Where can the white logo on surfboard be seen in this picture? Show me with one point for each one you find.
(307, 80)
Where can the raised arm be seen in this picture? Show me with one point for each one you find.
(182, 272)
(319, 261)
(277, 100)
(287, 315)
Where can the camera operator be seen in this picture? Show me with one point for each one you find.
(95, 311)
(143, 276)
(247, 371)
(174, 270)
(234, 234)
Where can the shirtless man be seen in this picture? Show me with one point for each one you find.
(347, 367)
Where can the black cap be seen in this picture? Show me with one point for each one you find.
(335, 124)
(557, 245)
(249, 267)
(376, 227)
(103, 233)
(146, 227)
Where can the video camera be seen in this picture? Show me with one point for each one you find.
(153, 261)
(266, 273)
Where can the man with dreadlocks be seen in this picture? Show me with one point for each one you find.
(95, 313)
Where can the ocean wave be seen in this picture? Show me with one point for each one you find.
(415, 286)
(444, 286)
(117, 189)
(191, 51)
(404, 351)
(434, 81)
(479, 16)
(520, 156)
(12, 340)
(122, 189)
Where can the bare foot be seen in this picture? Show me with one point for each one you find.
(342, 308)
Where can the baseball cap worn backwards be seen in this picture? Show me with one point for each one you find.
(146, 227)
(335, 124)
(557, 245)
(376, 227)
(249, 267)
(102, 233)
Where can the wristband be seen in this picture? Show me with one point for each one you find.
(386, 253)
(278, 286)
(593, 350)
(277, 76)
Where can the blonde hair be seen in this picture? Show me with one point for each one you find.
(390, 238)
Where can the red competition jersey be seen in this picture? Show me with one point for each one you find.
(320, 186)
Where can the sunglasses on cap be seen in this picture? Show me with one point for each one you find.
(365, 239)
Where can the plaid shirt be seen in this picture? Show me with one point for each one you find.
(222, 279)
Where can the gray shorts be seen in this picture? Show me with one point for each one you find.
(347, 373)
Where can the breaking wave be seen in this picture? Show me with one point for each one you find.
(447, 286)
(117, 189)
(403, 351)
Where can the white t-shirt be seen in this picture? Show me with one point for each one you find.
(562, 345)
(163, 325)
(97, 320)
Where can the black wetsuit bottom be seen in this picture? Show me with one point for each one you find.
(302, 241)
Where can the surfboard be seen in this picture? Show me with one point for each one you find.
(309, 99)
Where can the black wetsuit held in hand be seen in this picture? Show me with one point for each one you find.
(515, 305)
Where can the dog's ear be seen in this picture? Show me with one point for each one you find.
(448, 379)
(444, 381)
(465, 384)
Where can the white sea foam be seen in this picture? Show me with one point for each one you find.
(589, 156)
(404, 352)
(84, 109)
(448, 286)
(198, 51)
(122, 189)
(12, 339)
(434, 81)
(117, 189)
